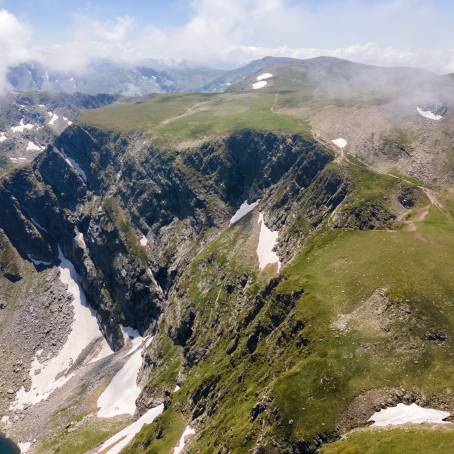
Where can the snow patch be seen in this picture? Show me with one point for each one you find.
(33, 147)
(24, 447)
(429, 114)
(54, 118)
(116, 443)
(340, 142)
(68, 122)
(403, 414)
(143, 241)
(47, 375)
(22, 126)
(3, 137)
(265, 247)
(188, 431)
(264, 76)
(5, 420)
(242, 211)
(74, 165)
(120, 396)
(177, 388)
(19, 159)
(261, 84)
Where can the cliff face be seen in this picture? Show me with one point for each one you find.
(130, 216)
(268, 359)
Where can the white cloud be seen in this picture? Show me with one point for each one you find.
(14, 38)
(233, 32)
(90, 39)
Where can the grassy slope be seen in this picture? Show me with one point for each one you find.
(417, 440)
(312, 386)
(177, 118)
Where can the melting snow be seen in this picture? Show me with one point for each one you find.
(74, 165)
(261, 84)
(187, 432)
(33, 147)
(24, 447)
(340, 142)
(5, 420)
(242, 211)
(403, 414)
(22, 127)
(267, 242)
(54, 118)
(115, 444)
(51, 374)
(264, 76)
(429, 115)
(120, 396)
(2, 137)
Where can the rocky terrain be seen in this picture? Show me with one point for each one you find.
(327, 298)
(30, 121)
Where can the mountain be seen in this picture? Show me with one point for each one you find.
(224, 81)
(258, 270)
(31, 121)
(109, 77)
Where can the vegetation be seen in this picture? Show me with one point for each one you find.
(82, 436)
(160, 437)
(417, 440)
(173, 119)
(311, 375)
(121, 221)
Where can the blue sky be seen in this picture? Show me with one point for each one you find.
(51, 19)
(68, 34)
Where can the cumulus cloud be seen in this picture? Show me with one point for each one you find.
(232, 32)
(14, 40)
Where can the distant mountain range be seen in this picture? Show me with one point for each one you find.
(111, 78)
(152, 76)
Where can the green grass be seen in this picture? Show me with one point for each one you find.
(121, 221)
(81, 438)
(339, 271)
(173, 119)
(165, 433)
(415, 440)
(311, 386)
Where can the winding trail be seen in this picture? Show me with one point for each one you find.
(419, 214)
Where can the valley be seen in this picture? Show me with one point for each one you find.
(257, 270)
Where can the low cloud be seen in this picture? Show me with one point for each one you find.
(14, 44)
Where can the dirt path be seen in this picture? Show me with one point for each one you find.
(419, 215)
(189, 111)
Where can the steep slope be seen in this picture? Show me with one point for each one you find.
(327, 299)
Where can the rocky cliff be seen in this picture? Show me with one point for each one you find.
(128, 214)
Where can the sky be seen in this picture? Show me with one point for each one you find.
(69, 34)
